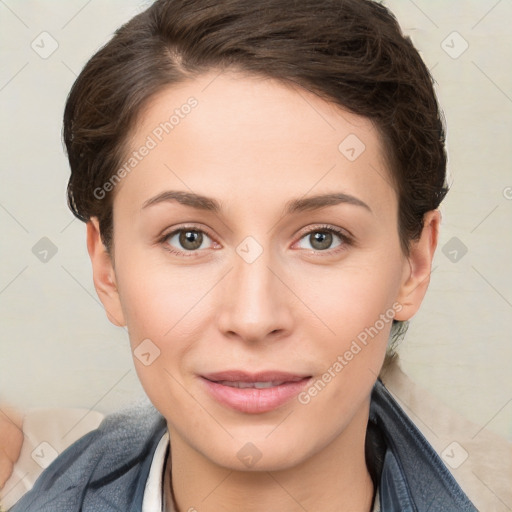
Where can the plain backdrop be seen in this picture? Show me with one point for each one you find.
(57, 347)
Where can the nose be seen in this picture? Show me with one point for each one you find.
(256, 304)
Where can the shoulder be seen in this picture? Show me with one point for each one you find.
(413, 476)
(104, 470)
(479, 459)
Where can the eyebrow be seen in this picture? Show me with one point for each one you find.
(201, 202)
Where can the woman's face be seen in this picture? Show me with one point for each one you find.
(279, 263)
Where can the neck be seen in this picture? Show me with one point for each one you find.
(334, 479)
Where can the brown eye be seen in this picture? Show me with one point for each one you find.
(323, 239)
(191, 240)
(185, 241)
(320, 240)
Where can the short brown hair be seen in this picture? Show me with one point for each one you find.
(350, 52)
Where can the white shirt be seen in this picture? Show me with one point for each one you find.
(153, 496)
(376, 504)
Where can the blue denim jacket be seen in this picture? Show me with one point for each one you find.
(106, 470)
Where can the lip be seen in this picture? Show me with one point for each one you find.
(254, 400)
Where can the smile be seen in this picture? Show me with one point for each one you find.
(254, 393)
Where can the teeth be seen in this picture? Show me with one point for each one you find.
(262, 385)
(257, 385)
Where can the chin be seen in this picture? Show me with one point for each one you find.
(259, 454)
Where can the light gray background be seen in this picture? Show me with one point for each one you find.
(57, 347)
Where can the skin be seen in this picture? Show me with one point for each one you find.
(11, 440)
(253, 144)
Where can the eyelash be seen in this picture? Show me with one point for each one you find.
(346, 240)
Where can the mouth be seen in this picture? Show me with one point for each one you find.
(257, 385)
(254, 393)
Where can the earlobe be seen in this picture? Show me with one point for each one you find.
(103, 274)
(418, 267)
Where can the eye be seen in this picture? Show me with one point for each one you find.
(188, 241)
(185, 241)
(321, 239)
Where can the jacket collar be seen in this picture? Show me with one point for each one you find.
(411, 475)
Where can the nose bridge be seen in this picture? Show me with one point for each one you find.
(254, 305)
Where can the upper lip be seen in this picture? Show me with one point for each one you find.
(264, 376)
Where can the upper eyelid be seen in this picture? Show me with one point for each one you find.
(326, 227)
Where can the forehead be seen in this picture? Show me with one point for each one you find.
(246, 138)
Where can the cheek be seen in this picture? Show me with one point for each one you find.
(351, 298)
(355, 306)
(159, 299)
(163, 310)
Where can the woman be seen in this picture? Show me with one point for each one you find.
(260, 182)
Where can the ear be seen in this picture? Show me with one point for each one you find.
(103, 274)
(417, 270)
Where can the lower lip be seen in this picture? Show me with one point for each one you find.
(253, 400)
